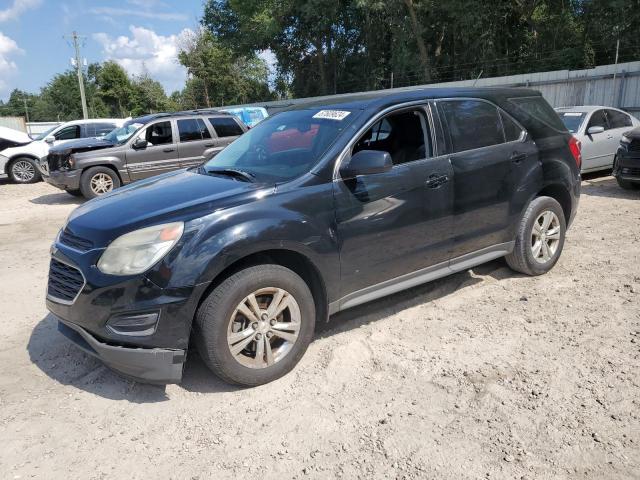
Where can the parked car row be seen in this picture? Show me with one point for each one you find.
(19, 158)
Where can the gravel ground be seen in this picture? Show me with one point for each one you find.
(484, 374)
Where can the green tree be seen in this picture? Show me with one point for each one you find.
(114, 88)
(218, 75)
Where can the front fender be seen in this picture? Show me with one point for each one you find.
(213, 243)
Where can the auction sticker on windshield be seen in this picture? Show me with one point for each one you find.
(332, 114)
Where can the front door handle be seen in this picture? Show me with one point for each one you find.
(518, 157)
(434, 180)
(209, 145)
(168, 150)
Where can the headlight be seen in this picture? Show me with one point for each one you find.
(137, 251)
(625, 139)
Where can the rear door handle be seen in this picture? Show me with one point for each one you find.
(518, 157)
(167, 150)
(435, 180)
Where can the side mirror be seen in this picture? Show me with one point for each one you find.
(367, 162)
(50, 139)
(139, 144)
(594, 130)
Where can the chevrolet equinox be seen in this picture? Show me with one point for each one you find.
(317, 209)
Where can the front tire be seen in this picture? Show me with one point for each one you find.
(627, 185)
(24, 170)
(256, 325)
(96, 181)
(540, 238)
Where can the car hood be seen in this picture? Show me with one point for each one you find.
(633, 134)
(182, 195)
(81, 145)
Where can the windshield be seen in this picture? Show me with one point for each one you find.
(122, 134)
(284, 146)
(45, 134)
(572, 120)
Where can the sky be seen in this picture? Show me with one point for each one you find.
(140, 35)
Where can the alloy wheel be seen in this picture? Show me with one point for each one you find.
(23, 171)
(101, 183)
(545, 236)
(264, 327)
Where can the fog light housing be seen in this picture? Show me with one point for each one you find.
(134, 325)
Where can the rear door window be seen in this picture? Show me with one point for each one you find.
(226, 126)
(618, 119)
(193, 129)
(471, 124)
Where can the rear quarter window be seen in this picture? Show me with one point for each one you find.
(538, 108)
(226, 126)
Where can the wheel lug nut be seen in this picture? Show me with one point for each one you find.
(254, 325)
(265, 317)
(272, 322)
(258, 336)
(269, 334)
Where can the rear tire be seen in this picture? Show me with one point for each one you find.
(247, 349)
(24, 170)
(539, 238)
(627, 185)
(96, 181)
(75, 193)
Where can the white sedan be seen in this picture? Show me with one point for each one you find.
(599, 130)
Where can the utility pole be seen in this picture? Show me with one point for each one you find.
(26, 110)
(75, 38)
(615, 71)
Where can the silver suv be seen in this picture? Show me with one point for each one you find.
(141, 148)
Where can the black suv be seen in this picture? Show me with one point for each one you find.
(315, 210)
(626, 164)
(142, 147)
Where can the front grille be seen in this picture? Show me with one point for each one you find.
(630, 171)
(634, 146)
(74, 241)
(58, 160)
(65, 281)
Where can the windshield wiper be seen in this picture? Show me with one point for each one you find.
(233, 172)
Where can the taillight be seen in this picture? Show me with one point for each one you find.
(575, 146)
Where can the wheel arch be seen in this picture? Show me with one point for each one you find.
(106, 165)
(291, 259)
(560, 194)
(18, 156)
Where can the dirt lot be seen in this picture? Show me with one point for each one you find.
(485, 374)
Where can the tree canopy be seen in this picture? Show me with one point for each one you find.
(338, 46)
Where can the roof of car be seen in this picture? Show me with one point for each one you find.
(383, 98)
(95, 120)
(184, 113)
(583, 108)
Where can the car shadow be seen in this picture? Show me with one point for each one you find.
(61, 198)
(61, 361)
(604, 185)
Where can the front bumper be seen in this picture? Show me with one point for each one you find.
(63, 179)
(154, 355)
(627, 165)
(149, 365)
